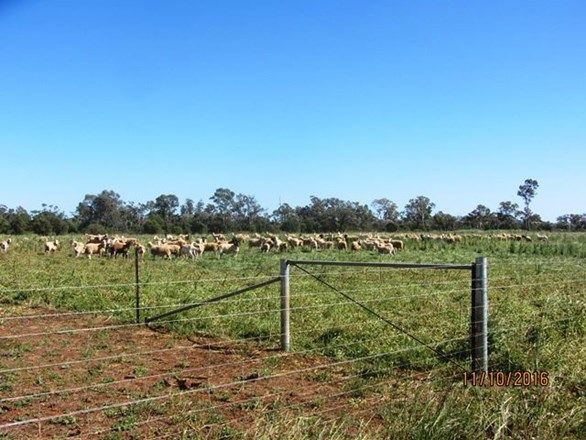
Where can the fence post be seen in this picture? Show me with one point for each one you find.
(479, 316)
(137, 284)
(285, 336)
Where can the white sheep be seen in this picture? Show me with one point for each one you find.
(191, 250)
(51, 246)
(4, 245)
(78, 248)
(385, 248)
(94, 248)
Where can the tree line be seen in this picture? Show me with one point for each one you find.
(227, 211)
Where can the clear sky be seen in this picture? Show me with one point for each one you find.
(459, 101)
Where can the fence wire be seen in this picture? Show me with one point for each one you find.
(360, 358)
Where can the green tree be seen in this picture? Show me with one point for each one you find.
(19, 220)
(105, 209)
(444, 221)
(527, 192)
(480, 218)
(224, 206)
(507, 214)
(418, 212)
(386, 209)
(165, 206)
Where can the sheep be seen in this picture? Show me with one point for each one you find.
(178, 242)
(4, 245)
(140, 250)
(159, 250)
(349, 238)
(255, 242)
(78, 248)
(355, 246)
(51, 246)
(397, 244)
(190, 250)
(131, 240)
(219, 237)
(385, 248)
(321, 243)
(312, 243)
(341, 244)
(241, 237)
(200, 247)
(294, 242)
(266, 246)
(233, 247)
(369, 244)
(542, 237)
(279, 244)
(121, 247)
(91, 238)
(210, 247)
(164, 250)
(94, 248)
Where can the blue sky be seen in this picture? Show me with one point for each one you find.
(460, 101)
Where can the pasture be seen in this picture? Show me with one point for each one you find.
(217, 372)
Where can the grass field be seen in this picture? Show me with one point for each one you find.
(394, 387)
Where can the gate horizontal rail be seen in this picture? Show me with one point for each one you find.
(377, 264)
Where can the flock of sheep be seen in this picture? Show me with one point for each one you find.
(181, 245)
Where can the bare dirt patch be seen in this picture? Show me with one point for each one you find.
(135, 382)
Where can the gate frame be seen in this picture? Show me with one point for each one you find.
(479, 299)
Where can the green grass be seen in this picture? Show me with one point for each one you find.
(537, 322)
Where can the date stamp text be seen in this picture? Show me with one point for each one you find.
(507, 379)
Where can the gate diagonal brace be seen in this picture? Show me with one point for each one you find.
(212, 300)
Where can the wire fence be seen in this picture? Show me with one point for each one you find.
(92, 371)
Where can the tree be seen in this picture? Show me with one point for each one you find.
(19, 220)
(223, 204)
(154, 224)
(527, 192)
(287, 219)
(480, 218)
(223, 200)
(418, 212)
(105, 209)
(188, 208)
(247, 212)
(444, 221)
(49, 221)
(571, 222)
(507, 215)
(165, 207)
(386, 209)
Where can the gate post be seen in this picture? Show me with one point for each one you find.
(137, 283)
(285, 312)
(479, 315)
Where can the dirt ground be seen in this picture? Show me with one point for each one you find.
(79, 384)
